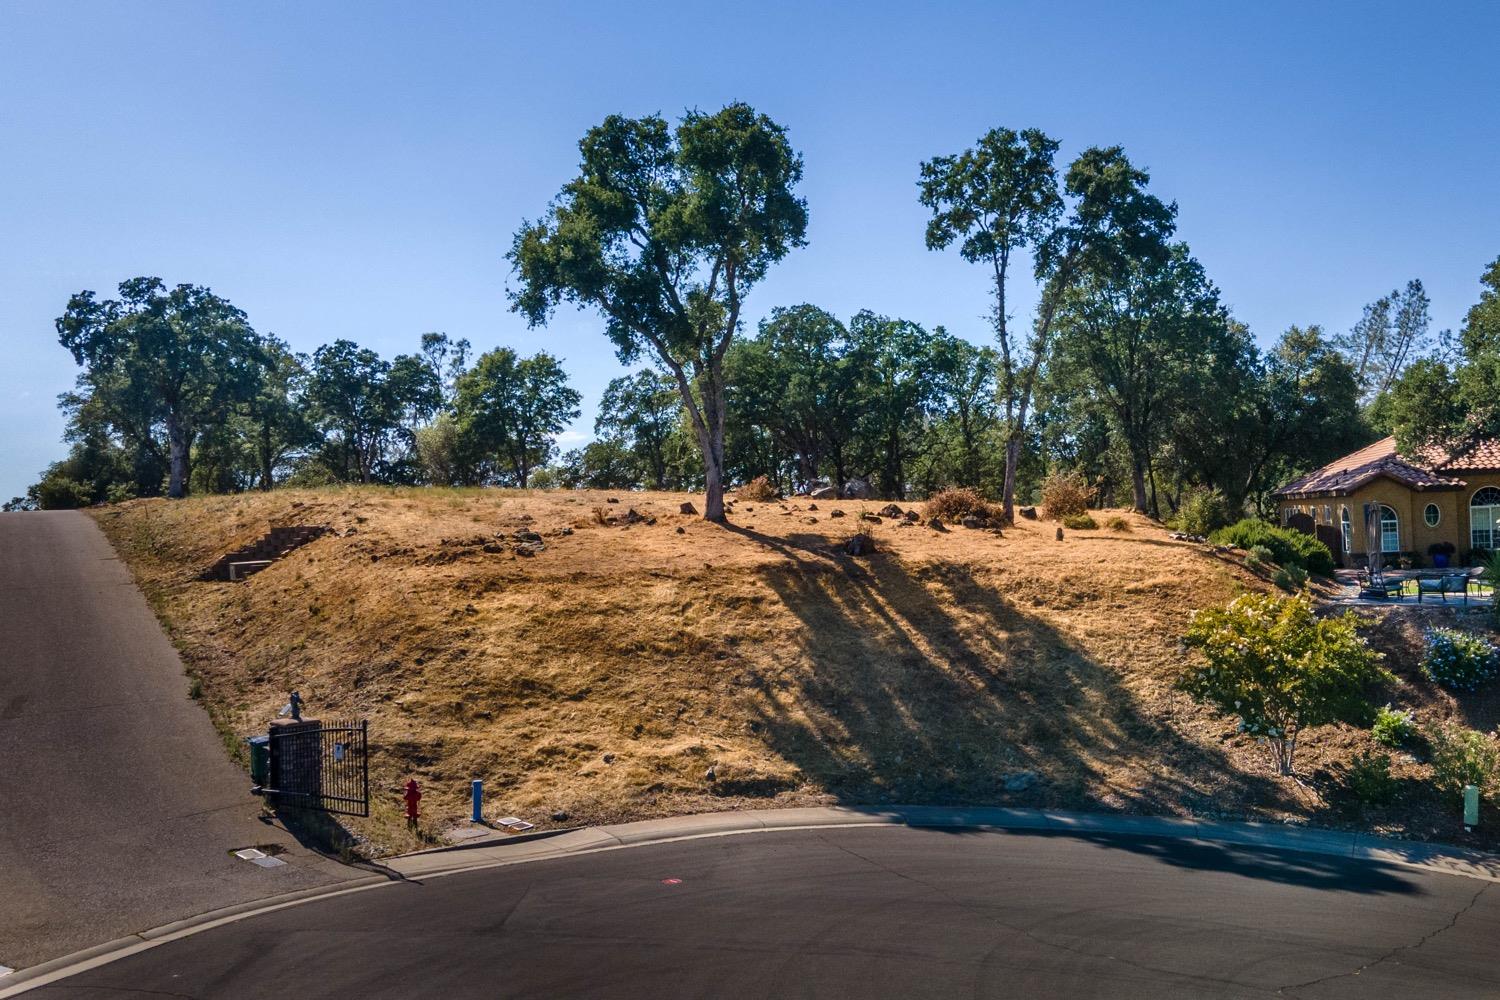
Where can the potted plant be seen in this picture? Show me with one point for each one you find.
(1441, 552)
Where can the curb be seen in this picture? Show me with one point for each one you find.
(1441, 859)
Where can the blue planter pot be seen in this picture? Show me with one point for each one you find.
(1440, 559)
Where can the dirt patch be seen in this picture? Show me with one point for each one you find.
(624, 667)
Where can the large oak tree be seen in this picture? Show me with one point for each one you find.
(664, 232)
(1001, 199)
(187, 351)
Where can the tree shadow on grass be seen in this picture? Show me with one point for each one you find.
(927, 686)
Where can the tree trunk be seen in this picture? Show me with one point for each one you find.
(265, 457)
(1008, 492)
(1138, 485)
(177, 446)
(711, 441)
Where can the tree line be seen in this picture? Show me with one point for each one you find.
(1131, 371)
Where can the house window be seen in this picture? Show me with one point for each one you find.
(1432, 515)
(1328, 513)
(1344, 528)
(1390, 530)
(1484, 518)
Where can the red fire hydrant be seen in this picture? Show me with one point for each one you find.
(412, 795)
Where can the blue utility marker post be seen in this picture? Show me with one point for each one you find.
(477, 789)
(1471, 806)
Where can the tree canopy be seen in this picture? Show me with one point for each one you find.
(664, 232)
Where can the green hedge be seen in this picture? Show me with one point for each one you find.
(1288, 547)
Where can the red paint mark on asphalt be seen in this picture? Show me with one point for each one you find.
(671, 881)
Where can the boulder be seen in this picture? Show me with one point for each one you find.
(812, 506)
(865, 515)
(936, 524)
(913, 517)
(891, 511)
(858, 489)
(971, 521)
(1029, 513)
(835, 513)
(1059, 534)
(687, 508)
(1021, 781)
(860, 545)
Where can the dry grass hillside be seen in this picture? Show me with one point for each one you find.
(601, 677)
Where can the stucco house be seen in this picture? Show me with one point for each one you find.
(1436, 496)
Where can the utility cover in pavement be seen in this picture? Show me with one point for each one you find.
(258, 857)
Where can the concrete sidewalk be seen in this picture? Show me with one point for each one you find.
(505, 849)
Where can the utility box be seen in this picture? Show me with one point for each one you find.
(260, 759)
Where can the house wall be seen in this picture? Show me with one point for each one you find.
(1409, 505)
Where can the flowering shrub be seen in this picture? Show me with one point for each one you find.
(1462, 757)
(1459, 660)
(1279, 668)
(1393, 728)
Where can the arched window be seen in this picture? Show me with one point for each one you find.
(1390, 530)
(1345, 529)
(1484, 518)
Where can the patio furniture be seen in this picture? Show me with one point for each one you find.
(1443, 586)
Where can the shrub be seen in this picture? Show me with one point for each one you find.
(956, 504)
(1290, 578)
(1202, 511)
(1065, 494)
(1462, 757)
(1287, 546)
(1117, 523)
(1393, 728)
(1260, 554)
(1279, 668)
(1369, 779)
(1459, 660)
(1441, 549)
(61, 493)
(1080, 522)
(760, 489)
(119, 493)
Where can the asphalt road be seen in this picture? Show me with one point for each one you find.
(861, 912)
(118, 804)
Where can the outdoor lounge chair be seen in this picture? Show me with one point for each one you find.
(1443, 586)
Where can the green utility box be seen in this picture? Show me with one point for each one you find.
(260, 759)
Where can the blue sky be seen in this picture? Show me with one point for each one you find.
(357, 170)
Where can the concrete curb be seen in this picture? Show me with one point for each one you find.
(1439, 859)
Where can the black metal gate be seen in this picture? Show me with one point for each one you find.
(315, 765)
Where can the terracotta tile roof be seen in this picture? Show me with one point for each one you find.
(1380, 459)
(1480, 455)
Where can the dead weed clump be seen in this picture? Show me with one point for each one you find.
(954, 504)
(1065, 494)
(759, 489)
